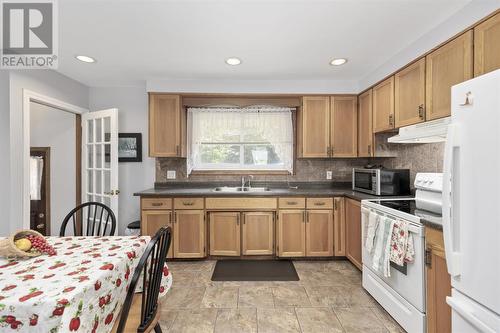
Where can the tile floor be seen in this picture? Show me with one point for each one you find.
(328, 298)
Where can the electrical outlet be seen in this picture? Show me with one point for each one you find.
(171, 174)
(329, 175)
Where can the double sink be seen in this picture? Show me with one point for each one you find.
(241, 189)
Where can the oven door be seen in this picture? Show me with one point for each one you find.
(365, 181)
(408, 282)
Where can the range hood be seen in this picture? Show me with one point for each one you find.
(428, 132)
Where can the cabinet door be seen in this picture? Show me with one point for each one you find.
(487, 46)
(189, 234)
(409, 94)
(365, 130)
(164, 125)
(338, 227)
(153, 220)
(315, 131)
(319, 233)
(291, 233)
(344, 126)
(225, 234)
(445, 67)
(353, 231)
(257, 233)
(383, 106)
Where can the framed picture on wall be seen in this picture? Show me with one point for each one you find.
(129, 147)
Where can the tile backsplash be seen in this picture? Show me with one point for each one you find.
(416, 157)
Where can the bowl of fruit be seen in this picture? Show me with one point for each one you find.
(25, 243)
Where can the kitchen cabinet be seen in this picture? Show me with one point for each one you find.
(344, 126)
(438, 283)
(153, 220)
(365, 129)
(448, 65)
(353, 231)
(409, 94)
(383, 106)
(339, 248)
(319, 233)
(166, 126)
(225, 233)
(189, 234)
(487, 46)
(291, 232)
(257, 233)
(315, 126)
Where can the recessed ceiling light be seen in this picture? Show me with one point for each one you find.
(85, 58)
(233, 61)
(338, 61)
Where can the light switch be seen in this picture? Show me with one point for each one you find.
(171, 174)
(329, 175)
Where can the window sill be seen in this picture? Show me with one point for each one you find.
(240, 172)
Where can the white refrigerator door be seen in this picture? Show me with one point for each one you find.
(470, 317)
(471, 190)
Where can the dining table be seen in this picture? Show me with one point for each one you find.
(79, 289)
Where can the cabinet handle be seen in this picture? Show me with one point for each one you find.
(391, 120)
(304, 216)
(188, 203)
(175, 217)
(157, 204)
(177, 150)
(369, 150)
(331, 151)
(291, 203)
(421, 111)
(307, 217)
(428, 258)
(335, 204)
(238, 219)
(319, 203)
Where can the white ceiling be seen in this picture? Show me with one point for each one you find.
(135, 41)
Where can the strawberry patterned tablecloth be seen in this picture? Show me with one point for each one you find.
(81, 289)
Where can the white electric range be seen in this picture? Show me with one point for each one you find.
(403, 293)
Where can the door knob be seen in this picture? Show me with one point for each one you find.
(40, 226)
(41, 215)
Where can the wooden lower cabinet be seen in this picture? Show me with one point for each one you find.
(189, 234)
(353, 231)
(291, 230)
(339, 248)
(225, 233)
(257, 233)
(153, 220)
(319, 233)
(438, 283)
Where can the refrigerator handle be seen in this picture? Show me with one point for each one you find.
(467, 314)
(451, 218)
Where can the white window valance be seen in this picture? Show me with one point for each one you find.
(250, 138)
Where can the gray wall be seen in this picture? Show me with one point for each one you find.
(4, 153)
(46, 82)
(132, 104)
(55, 128)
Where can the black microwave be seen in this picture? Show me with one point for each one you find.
(381, 181)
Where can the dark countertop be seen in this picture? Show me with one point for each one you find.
(278, 189)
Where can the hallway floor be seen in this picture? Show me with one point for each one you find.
(328, 298)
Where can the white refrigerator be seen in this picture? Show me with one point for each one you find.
(471, 204)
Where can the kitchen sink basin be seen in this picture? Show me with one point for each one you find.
(241, 189)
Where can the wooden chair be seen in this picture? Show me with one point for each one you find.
(140, 312)
(99, 219)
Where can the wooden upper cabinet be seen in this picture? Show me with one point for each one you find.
(189, 234)
(257, 233)
(383, 106)
(315, 129)
(165, 126)
(353, 231)
(319, 233)
(409, 94)
(448, 65)
(365, 130)
(291, 232)
(339, 227)
(225, 234)
(344, 126)
(153, 220)
(487, 46)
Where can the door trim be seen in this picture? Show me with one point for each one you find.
(45, 151)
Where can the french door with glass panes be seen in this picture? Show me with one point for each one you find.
(100, 158)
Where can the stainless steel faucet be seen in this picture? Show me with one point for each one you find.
(243, 181)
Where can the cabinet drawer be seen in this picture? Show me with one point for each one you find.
(292, 203)
(319, 203)
(156, 203)
(241, 203)
(188, 203)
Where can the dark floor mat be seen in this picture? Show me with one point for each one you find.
(254, 270)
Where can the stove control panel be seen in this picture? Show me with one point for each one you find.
(429, 182)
